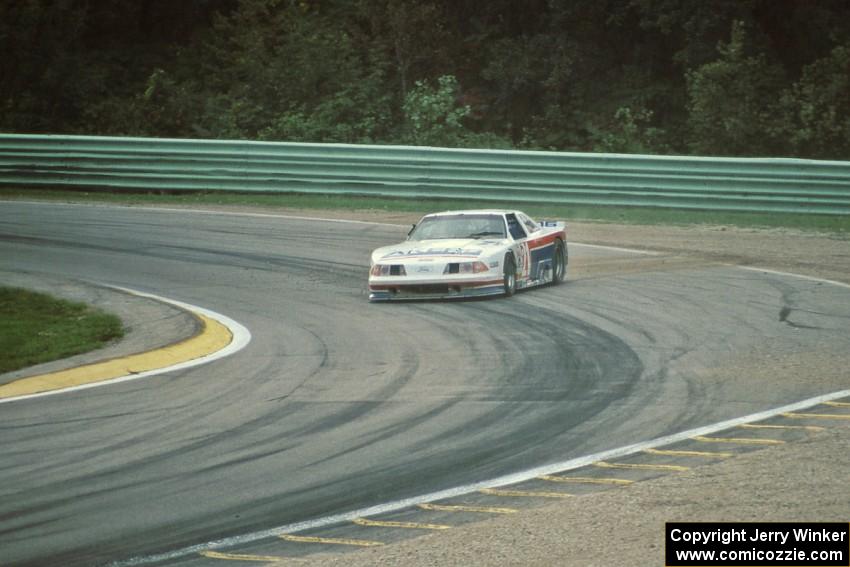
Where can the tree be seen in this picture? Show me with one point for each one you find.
(817, 108)
(631, 133)
(433, 116)
(611, 75)
(41, 82)
(733, 102)
(77, 65)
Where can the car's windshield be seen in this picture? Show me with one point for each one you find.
(459, 226)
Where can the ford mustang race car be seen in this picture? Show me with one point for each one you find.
(470, 253)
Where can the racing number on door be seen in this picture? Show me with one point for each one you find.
(522, 259)
(521, 249)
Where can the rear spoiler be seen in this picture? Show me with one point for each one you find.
(553, 224)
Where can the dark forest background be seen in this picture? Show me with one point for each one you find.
(709, 77)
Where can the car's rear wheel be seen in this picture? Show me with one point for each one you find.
(510, 276)
(559, 263)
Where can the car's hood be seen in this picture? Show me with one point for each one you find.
(469, 248)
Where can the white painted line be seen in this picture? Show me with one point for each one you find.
(470, 488)
(270, 216)
(373, 223)
(241, 338)
(616, 249)
(207, 212)
(792, 275)
(303, 218)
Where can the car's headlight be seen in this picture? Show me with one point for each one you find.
(388, 270)
(466, 268)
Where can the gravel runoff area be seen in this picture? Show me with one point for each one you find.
(804, 480)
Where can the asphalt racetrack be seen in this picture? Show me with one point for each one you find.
(339, 404)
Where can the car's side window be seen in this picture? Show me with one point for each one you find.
(514, 227)
(530, 225)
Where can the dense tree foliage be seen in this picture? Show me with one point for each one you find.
(714, 77)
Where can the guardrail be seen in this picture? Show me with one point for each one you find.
(740, 184)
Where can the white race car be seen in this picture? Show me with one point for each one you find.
(468, 254)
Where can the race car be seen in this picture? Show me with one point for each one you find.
(469, 254)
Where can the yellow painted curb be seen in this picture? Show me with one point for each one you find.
(213, 337)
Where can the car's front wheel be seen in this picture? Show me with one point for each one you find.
(509, 276)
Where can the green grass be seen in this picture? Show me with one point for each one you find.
(36, 328)
(837, 225)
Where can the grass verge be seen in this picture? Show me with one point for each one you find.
(36, 328)
(838, 225)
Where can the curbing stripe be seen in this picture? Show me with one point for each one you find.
(585, 480)
(242, 557)
(524, 493)
(794, 415)
(402, 525)
(676, 453)
(213, 337)
(641, 466)
(220, 336)
(798, 427)
(331, 540)
(473, 509)
(738, 440)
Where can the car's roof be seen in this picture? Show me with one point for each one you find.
(473, 212)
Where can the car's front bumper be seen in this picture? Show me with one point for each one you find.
(434, 290)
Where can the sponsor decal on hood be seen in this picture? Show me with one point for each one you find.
(465, 247)
(432, 252)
